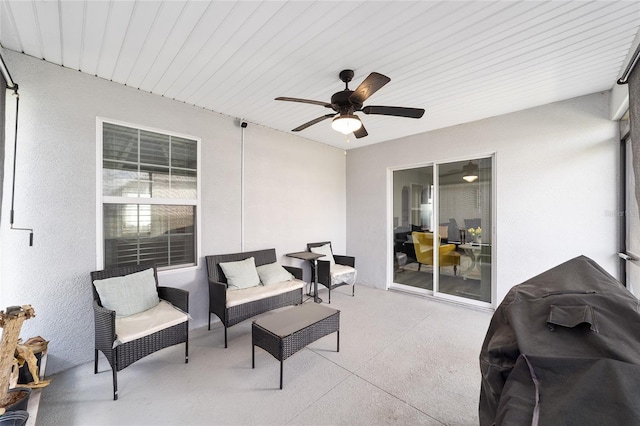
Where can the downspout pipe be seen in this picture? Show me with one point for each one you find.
(243, 125)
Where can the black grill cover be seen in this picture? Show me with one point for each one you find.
(563, 348)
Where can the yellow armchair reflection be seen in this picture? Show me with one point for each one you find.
(447, 255)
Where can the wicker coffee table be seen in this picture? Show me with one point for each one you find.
(284, 333)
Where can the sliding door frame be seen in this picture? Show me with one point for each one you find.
(436, 217)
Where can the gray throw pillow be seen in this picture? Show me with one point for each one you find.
(129, 294)
(241, 274)
(273, 273)
(326, 250)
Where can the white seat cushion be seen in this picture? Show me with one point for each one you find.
(342, 274)
(238, 297)
(161, 316)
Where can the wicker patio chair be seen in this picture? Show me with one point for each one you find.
(330, 276)
(125, 354)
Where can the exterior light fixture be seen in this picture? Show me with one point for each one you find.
(470, 172)
(346, 123)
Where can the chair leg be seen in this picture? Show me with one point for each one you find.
(329, 295)
(419, 265)
(95, 367)
(209, 320)
(353, 290)
(225, 336)
(455, 270)
(186, 350)
(115, 383)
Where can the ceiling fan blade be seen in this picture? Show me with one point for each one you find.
(395, 111)
(453, 173)
(312, 122)
(368, 87)
(304, 101)
(360, 133)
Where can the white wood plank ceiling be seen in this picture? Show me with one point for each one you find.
(459, 60)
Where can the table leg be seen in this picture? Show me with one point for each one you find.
(281, 365)
(316, 299)
(474, 260)
(474, 257)
(253, 356)
(338, 341)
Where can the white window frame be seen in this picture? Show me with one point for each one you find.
(101, 199)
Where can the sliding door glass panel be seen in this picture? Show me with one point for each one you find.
(464, 229)
(633, 224)
(412, 227)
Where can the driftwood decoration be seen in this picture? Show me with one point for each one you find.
(26, 354)
(11, 322)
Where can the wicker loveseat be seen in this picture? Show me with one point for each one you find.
(232, 306)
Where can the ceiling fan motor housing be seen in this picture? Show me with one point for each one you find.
(341, 103)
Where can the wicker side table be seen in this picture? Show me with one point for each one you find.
(284, 333)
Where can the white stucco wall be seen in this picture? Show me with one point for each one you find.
(556, 180)
(294, 194)
(556, 169)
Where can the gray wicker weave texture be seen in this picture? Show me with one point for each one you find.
(284, 333)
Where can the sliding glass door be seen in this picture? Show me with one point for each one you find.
(413, 218)
(442, 230)
(464, 206)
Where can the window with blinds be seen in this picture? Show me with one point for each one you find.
(149, 197)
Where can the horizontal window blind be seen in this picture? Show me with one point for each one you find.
(149, 197)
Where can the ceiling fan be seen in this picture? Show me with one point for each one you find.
(469, 172)
(347, 102)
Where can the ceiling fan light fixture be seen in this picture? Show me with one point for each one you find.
(346, 123)
(470, 172)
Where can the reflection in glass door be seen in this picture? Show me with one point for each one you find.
(442, 221)
(413, 218)
(464, 217)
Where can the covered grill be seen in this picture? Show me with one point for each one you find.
(563, 348)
